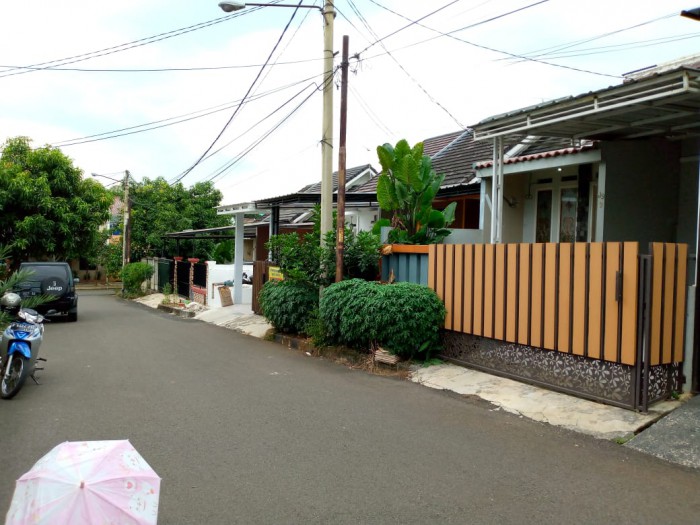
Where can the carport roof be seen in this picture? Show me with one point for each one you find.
(659, 104)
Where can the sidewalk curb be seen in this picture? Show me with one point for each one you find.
(177, 311)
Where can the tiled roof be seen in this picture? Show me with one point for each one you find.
(350, 174)
(455, 159)
(434, 144)
(542, 155)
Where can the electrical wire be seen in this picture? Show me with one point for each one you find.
(379, 41)
(262, 69)
(480, 46)
(545, 52)
(230, 164)
(163, 69)
(124, 47)
(171, 121)
(614, 48)
(259, 122)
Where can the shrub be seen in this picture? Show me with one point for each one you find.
(288, 305)
(409, 320)
(405, 318)
(344, 310)
(134, 274)
(302, 258)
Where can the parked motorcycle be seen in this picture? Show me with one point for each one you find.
(19, 345)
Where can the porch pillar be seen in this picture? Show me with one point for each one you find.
(238, 260)
(497, 192)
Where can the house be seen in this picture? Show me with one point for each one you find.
(292, 213)
(586, 276)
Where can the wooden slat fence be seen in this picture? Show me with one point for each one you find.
(577, 298)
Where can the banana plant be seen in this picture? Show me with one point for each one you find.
(406, 187)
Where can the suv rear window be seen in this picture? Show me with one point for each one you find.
(42, 271)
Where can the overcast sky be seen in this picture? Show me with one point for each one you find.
(73, 71)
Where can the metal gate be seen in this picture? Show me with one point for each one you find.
(165, 273)
(183, 279)
(199, 275)
(260, 274)
(660, 323)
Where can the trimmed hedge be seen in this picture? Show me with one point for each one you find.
(134, 274)
(404, 318)
(288, 305)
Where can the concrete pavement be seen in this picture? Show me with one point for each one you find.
(670, 434)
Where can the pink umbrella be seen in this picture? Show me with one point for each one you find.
(88, 482)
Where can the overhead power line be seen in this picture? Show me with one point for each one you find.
(450, 34)
(171, 121)
(238, 107)
(161, 69)
(415, 81)
(19, 70)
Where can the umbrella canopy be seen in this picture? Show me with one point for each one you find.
(87, 482)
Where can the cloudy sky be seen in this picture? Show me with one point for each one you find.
(149, 86)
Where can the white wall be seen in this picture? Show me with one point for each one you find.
(218, 274)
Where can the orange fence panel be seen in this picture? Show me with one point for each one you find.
(578, 298)
(550, 289)
(595, 300)
(478, 303)
(524, 294)
(681, 287)
(512, 293)
(565, 308)
(449, 284)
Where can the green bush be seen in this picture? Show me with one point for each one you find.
(404, 318)
(288, 305)
(409, 320)
(344, 311)
(134, 274)
(302, 258)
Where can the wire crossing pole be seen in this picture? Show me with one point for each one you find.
(327, 126)
(340, 219)
(126, 241)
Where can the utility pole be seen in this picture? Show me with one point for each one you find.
(327, 127)
(340, 219)
(126, 234)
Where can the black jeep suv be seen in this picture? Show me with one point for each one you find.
(53, 279)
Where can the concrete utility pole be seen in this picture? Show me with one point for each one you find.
(126, 234)
(340, 219)
(327, 128)
(328, 12)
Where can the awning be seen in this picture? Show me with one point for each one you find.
(664, 104)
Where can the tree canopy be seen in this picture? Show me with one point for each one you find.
(47, 210)
(158, 208)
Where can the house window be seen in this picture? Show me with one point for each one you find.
(543, 228)
(568, 202)
(557, 209)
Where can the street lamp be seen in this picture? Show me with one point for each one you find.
(327, 125)
(693, 14)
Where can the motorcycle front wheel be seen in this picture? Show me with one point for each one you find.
(14, 373)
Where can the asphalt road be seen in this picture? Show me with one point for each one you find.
(246, 431)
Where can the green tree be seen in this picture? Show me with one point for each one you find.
(47, 210)
(158, 208)
(302, 258)
(407, 187)
(110, 258)
(223, 253)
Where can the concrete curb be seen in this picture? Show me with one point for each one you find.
(177, 311)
